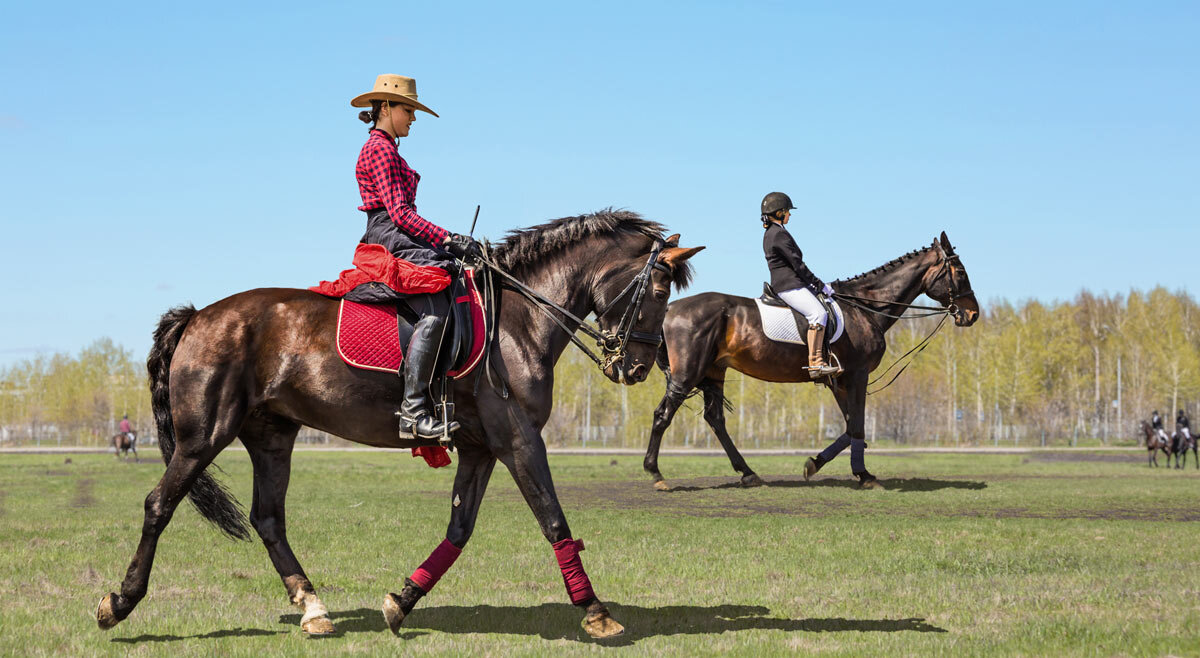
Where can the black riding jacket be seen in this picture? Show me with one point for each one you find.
(1156, 422)
(786, 261)
(1182, 421)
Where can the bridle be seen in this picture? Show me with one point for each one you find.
(947, 269)
(952, 309)
(612, 344)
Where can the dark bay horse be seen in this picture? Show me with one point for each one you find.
(1154, 443)
(123, 443)
(260, 364)
(707, 334)
(1180, 444)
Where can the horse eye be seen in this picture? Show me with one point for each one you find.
(660, 295)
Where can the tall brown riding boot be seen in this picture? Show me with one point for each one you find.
(816, 354)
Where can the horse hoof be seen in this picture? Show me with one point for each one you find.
(105, 617)
(661, 485)
(752, 480)
(871, 484)
(393, 613)
(318, 626)
(601, 626)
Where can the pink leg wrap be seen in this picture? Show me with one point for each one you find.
(436, 565)
(574, 577)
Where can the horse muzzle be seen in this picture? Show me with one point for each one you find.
(619, 373)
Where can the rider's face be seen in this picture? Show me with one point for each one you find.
(397, 119)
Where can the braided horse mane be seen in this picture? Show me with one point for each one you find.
(888, 266)
(525, 247)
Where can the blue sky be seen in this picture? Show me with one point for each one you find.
(158, 153)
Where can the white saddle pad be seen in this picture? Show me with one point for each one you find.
(779, 323)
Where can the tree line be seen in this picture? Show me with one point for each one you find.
(1084, 371)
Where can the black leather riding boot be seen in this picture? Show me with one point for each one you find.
(416, 411)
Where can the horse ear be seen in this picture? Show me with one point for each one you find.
(672, 241)
(946, 242)
(672, 255)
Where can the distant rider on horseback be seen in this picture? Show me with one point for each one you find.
(1182, 425)
(793, 281)
(388, 187)
(1157, 424)
(125, 428)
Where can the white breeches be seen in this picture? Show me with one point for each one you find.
(806, 304)
(1187, 433)
(1163, 435)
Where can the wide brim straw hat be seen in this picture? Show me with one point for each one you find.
(390, 87)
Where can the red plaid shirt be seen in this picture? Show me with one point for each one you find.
(386, 181)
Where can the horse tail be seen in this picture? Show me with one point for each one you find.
(211, 498)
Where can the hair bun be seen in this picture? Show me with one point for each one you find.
(364, 116)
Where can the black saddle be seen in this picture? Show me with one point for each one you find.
(771, 298)
(454, 303)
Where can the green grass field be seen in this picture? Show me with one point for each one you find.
(1038, 554)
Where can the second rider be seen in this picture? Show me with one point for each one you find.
(793, 281)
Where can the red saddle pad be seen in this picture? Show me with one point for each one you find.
(367, 335)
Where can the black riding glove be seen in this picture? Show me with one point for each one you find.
(463, 247)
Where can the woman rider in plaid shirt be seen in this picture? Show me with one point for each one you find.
(389, 189)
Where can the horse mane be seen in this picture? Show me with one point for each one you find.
(891, 264)
(525, 247)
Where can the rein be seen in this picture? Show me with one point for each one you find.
(944, 311)
(612, 344)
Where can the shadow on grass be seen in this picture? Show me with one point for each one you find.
(235, 632)
(557, 621)
(894, 484)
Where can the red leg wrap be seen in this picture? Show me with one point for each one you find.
(436, 565)
(574, 577)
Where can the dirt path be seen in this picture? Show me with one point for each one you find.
(687, 497)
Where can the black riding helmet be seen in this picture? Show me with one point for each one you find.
(774, 202)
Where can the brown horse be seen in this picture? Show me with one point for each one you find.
(1154, 443)
(122, 443)
(260, 364)
(707, 334)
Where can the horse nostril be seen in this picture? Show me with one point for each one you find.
(638, 371)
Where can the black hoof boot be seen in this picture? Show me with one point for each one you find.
(752, 480)
(867, 481)
(397, 606)
(813, 465)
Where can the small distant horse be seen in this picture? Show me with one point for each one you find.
(122, 443)
(1180, 444)
(709, 333)
(1154, 443)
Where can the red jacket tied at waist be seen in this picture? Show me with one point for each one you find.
(372, 262)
